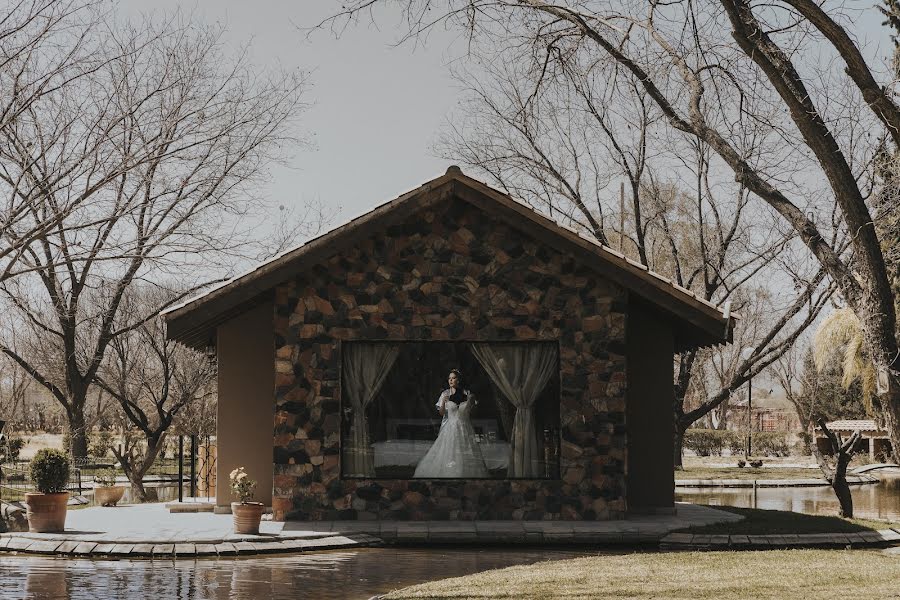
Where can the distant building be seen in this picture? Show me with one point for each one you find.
(772, 412)
(875, 441)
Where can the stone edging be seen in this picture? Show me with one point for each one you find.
(748, 483)
(865, 539)
(75, 548)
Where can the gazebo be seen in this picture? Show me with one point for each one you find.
(875, 440)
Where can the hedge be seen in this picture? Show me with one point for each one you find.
(708, 442)
(711, 442)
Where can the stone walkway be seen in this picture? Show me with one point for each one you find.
(860, 479)
(866, 539)
(151, 531)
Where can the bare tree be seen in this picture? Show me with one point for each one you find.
(549, 135)
(714, 69)
(44, 45)
(842, 450)
(14, 384)
(165, 141)
(154, 381)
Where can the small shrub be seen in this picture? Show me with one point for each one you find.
(736, 442)
(101, 444)
(50, 471)
(741, 464)
(14, 447)
(105, 477)
(756, 464)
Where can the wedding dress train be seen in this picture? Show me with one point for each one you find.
(455, 452)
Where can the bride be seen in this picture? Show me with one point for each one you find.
(455, 453)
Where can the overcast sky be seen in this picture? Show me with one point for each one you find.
(377, 107)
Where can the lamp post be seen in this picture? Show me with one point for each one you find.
(746, 353)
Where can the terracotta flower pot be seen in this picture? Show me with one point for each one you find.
(247, 516)
(46, 512)
(108, 496)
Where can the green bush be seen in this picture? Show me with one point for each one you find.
(708, 442)
(10, 452)
(101, 444)
(50, 471)
(770, 443)
(105, 477)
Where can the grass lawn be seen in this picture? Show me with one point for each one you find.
(704, 472)
(763, 522)
(782, 574)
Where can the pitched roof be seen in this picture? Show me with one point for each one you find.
(853, 425)
(696, 321)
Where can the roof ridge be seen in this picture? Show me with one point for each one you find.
(678, 301)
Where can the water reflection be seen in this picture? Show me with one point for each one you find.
(356, 574)
(877, 501)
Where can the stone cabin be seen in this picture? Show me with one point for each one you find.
(443, 275)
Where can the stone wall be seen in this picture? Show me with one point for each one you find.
(449, 273)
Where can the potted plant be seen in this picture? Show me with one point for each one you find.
(106, 492)
(246, 513)
(47, 508)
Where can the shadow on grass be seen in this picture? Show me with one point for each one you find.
(773, 522)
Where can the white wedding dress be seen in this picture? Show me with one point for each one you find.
(455, 452)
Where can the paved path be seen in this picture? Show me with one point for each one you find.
(151, 531)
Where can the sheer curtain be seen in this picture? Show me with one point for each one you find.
(365, 368)
(521, 371)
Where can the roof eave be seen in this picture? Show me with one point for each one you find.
(698, 323)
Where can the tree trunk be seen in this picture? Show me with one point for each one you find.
(837, 477)
(842, 491)
(839, 483)
(889, 405)
(135, 467)
(138, 492)
(678, 445)
(77, 431)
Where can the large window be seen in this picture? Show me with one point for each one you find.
(450, 410)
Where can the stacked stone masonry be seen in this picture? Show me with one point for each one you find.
(449, 273)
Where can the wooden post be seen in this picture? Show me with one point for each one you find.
(181, 468)
(193, 466)
(622, 217)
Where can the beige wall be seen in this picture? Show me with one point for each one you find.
(246, 357)
(649, 417)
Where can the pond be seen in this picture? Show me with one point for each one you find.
(357, 574)
(875, 501)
